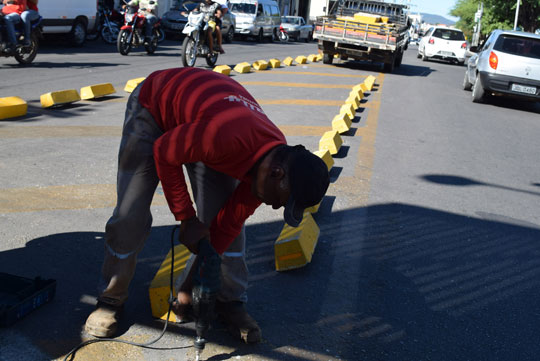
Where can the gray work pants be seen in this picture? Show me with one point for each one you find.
(129, 226)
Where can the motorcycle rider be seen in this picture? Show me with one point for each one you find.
(211, 9)
(27, 17)
(220, 13)
(149, 9)
(12, 11)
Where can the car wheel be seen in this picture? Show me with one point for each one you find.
(230, 35)
(308, 37)
(478, 93)
(466, 84)
(418, 55)
(260, 37)
(424, 57)
(77, 36)
(327, 58)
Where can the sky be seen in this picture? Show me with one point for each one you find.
(437, 7)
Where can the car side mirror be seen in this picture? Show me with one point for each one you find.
(473, 49)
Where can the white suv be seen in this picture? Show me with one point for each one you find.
(443, 43)
(508, 63)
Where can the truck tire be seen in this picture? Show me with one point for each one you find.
(327, 58)
(399, 59)
(389, 67)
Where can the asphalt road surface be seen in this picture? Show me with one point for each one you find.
(429, 245)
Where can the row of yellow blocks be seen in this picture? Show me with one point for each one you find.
(246, 67)
(294, 247)
(11, 107)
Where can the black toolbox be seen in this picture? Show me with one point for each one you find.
(19, 296)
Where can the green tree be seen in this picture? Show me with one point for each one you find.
(498, 14)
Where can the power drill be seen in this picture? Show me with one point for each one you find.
(206, 284)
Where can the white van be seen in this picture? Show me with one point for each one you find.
(259, 18)
(72, 17)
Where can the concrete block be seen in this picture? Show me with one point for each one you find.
(331, 141)
(341, 123)
(360, 88)
(59, 98)
(97, 91)
(326, 157)
(348, 108)
(160, 286)
(260, 65)
(354, 100)
(223, 69)
(300, 59)
(295, 246)
(319, 57)
(358, 92)
(369, 81)
(288, 61)
(274, 63)
(313, 58)
(11, 107)
(241, 68)
(132, 84)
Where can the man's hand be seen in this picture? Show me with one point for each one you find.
(191, 232)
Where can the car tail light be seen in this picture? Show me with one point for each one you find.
(464, 46)
(431, 41)
(493, 60)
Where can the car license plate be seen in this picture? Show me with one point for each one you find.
(523, 89)
(446, 53)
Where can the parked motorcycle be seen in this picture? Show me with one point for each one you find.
(23, 54)
(108, 25)
(283, 35)
(132, 33)
(196, 43)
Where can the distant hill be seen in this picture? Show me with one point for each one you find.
(436, 19)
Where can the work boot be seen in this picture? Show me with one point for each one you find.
(103, 322)
(239, 322)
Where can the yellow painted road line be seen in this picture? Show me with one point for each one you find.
(298, 85)
(46, 131)
(310, 102)
(53, 131)
(311, 73)
(80, 196)
(357, 187)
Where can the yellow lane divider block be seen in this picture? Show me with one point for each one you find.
(341, 123)
(159, 288)
(331, 141)
(359, 94)
(260, 65)
(97, 91)
(11, 107)
(313, 58)
(325, 155)
(295, 246)
(354, 100)
(241, 68)
(348, 108)
(360, 88)
(300, 59)
(132, 84)
(59, 98)
(319, 57)
(288, 61)
(223, 69)
(274, 63)
(369, 81)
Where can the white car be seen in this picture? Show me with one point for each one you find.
(443, 43)
(297, 28)
(507, 64)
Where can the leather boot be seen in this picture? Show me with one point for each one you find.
(238, 321)
(103, 322)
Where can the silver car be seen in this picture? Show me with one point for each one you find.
(297, 28)
(507, 64)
